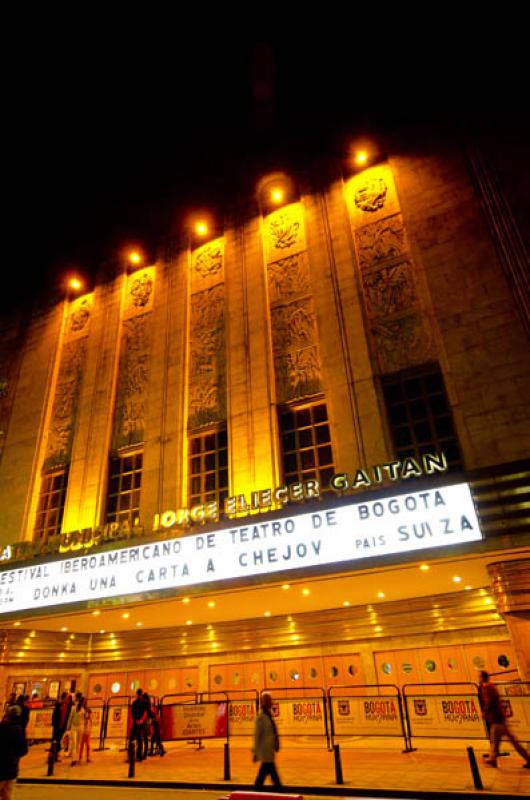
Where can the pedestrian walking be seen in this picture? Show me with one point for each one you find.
(13, 746)
(266, 744)
(495, 718)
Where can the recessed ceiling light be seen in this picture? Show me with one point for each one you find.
(211, 604)
(346, 603)
(189, 622)
(185, 599)
(306, 592)
(139, 624)
(125, 615)
(378, 629)
(16, 624)
(424, 567)
(102, 630)
(266, 613)
(96, 613)
(468, 587)
(380, 594)
(286, 586)
(457, 579)
(64, 628)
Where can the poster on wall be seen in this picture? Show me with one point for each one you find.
(194, 721)
(53, 689)
(362, 716)
(450, 716)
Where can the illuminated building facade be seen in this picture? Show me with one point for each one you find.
(336, 338)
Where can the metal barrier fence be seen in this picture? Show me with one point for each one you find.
(301, 714)
(117, 719)
(515, 698)
(243, 708)
(445, 713)
(355, 712)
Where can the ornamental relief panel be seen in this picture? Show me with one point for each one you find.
(284, 232)
(390, 290)
(64, 410)
(79, 317)
(402, 342)
(298, 374)
(207, 265)
(129, 421)
(371, 195)
(207, 365)
(381, 241)
(139, 292)
(289, 278)
(295, 347)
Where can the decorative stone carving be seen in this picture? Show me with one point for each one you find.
(288, 278)
(294, 338)
(371, 195)
(207, 380)
(283, 230)
(140, 290)
(208, 260)
(65, 404)
(389, 290)
(132, 381)
(402, 342)
(380, 241)
(80, 316)
(298, 374)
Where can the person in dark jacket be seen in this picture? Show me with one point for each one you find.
(495, 718)
(60, 715)
(266, 744)
(22, 701)
(13, 746)
(139, 724)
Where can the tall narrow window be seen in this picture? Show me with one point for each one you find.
(51, 504)
(125, 481)
(208, 467)
(306, 444)
(419, 415)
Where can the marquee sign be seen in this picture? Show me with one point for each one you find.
(402, 523)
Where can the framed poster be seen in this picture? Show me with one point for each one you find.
(53, 689)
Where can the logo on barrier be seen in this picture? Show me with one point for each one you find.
(420, 707)
(116, 714)
(344, 708)
(275, 710)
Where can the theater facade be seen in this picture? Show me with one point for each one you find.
(291, 453)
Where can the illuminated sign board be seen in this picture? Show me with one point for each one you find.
(402, 523)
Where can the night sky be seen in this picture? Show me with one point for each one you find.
(112, 139)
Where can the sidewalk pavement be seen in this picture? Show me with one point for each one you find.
(366, 765)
